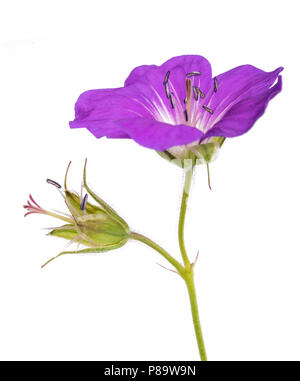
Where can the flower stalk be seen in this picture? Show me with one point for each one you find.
(189, 273)
(147, 241)
(184, 200)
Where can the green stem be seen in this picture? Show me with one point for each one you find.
(185, 195)
(189, 281)
(189, 275)
(160, 250)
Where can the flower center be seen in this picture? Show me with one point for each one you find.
(191, 110)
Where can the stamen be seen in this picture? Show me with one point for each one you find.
(167, 90)
(202, 95)
(83, 202)
(186, 115)
(215, 85)
(52, 182)
(185, 100)
(193, 74)
(196, 93)
(171, 100)
(166, 78)
(208, 109)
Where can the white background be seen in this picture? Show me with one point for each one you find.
(121, 305)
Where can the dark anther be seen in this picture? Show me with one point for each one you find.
(196, 93)
(208, 109)
(166, 78)
(215, 85)
(167, 90)
(171, 100)
(202, 95)
(83, 202)
(52, 182)
(193, 73)
(186, 115)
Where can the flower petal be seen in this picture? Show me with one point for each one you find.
(129, 113)
(157, 135)
(237, 86)
(146, 132)
(240, 116)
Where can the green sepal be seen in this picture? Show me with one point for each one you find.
(66, 233)
(199, 154)
(101, 229)
(74, 200)
(102, 249)
(90, 250)
(206, 151)
(220, 140)
(102, 203)
(180, 162)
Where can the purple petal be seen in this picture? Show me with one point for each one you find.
(241, 98)
(146, 132)
(110, 104)
(144, 110)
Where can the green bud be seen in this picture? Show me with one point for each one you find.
(101, 229)
(98, 227)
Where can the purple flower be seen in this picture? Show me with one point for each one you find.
(179, 107)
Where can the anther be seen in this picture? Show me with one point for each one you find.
(52, 182)
(186, 115)
(167, 90)
(83, 202)
(193, 74)
(215, 85)
(208, 109)
(171, 100)
(196, 93)
(185, 100)
(202, 95)
(166, 78)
